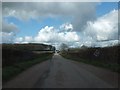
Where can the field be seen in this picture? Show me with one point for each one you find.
(18, 57)
(106, 57)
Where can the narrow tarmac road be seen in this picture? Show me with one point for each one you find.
(62, 73)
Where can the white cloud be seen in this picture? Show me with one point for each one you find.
(28, 39)
(107, 43)
(74, 33)
(9, 27)
(46, 34)
(50, 35)
(104, 28)
(58, 0)
(0, 16)
(69, 36)
(6, 37)
(8, 32)
(19, 40)
(78, 11)
(67, 27)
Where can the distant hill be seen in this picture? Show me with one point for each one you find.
(29, 47)
(15, 53)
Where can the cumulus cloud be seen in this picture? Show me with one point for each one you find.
(51, 35)
(104, 28)
(101, 32)
(19, 40)
(8, 32)
(0, 16)
(84, 29)
(0, 21)
(26, 39)
(78, 11)
(119, 22)
(7, 37)
(9, 27)
(58, 0)
(47, 34)
(66, 27)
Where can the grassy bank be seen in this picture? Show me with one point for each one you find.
(11, 71)
(107, 58)
(18, 57)
(17, 53)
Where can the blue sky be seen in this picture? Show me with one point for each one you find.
(31, 27)
(71, 18)
(106, 7)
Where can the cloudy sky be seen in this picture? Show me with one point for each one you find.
(75, 24)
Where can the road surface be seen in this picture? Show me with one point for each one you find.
(62, 73)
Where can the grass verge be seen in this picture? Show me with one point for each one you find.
(112, 67)
(10, 72)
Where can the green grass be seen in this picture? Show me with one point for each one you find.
(112, 67)
(10, 72)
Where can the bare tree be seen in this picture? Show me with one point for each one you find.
(63, 46)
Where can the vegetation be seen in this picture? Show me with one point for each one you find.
(103, 57)
(63, 46)
(16, 53)
(18, 57)
(28, 47)
(11, 71)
